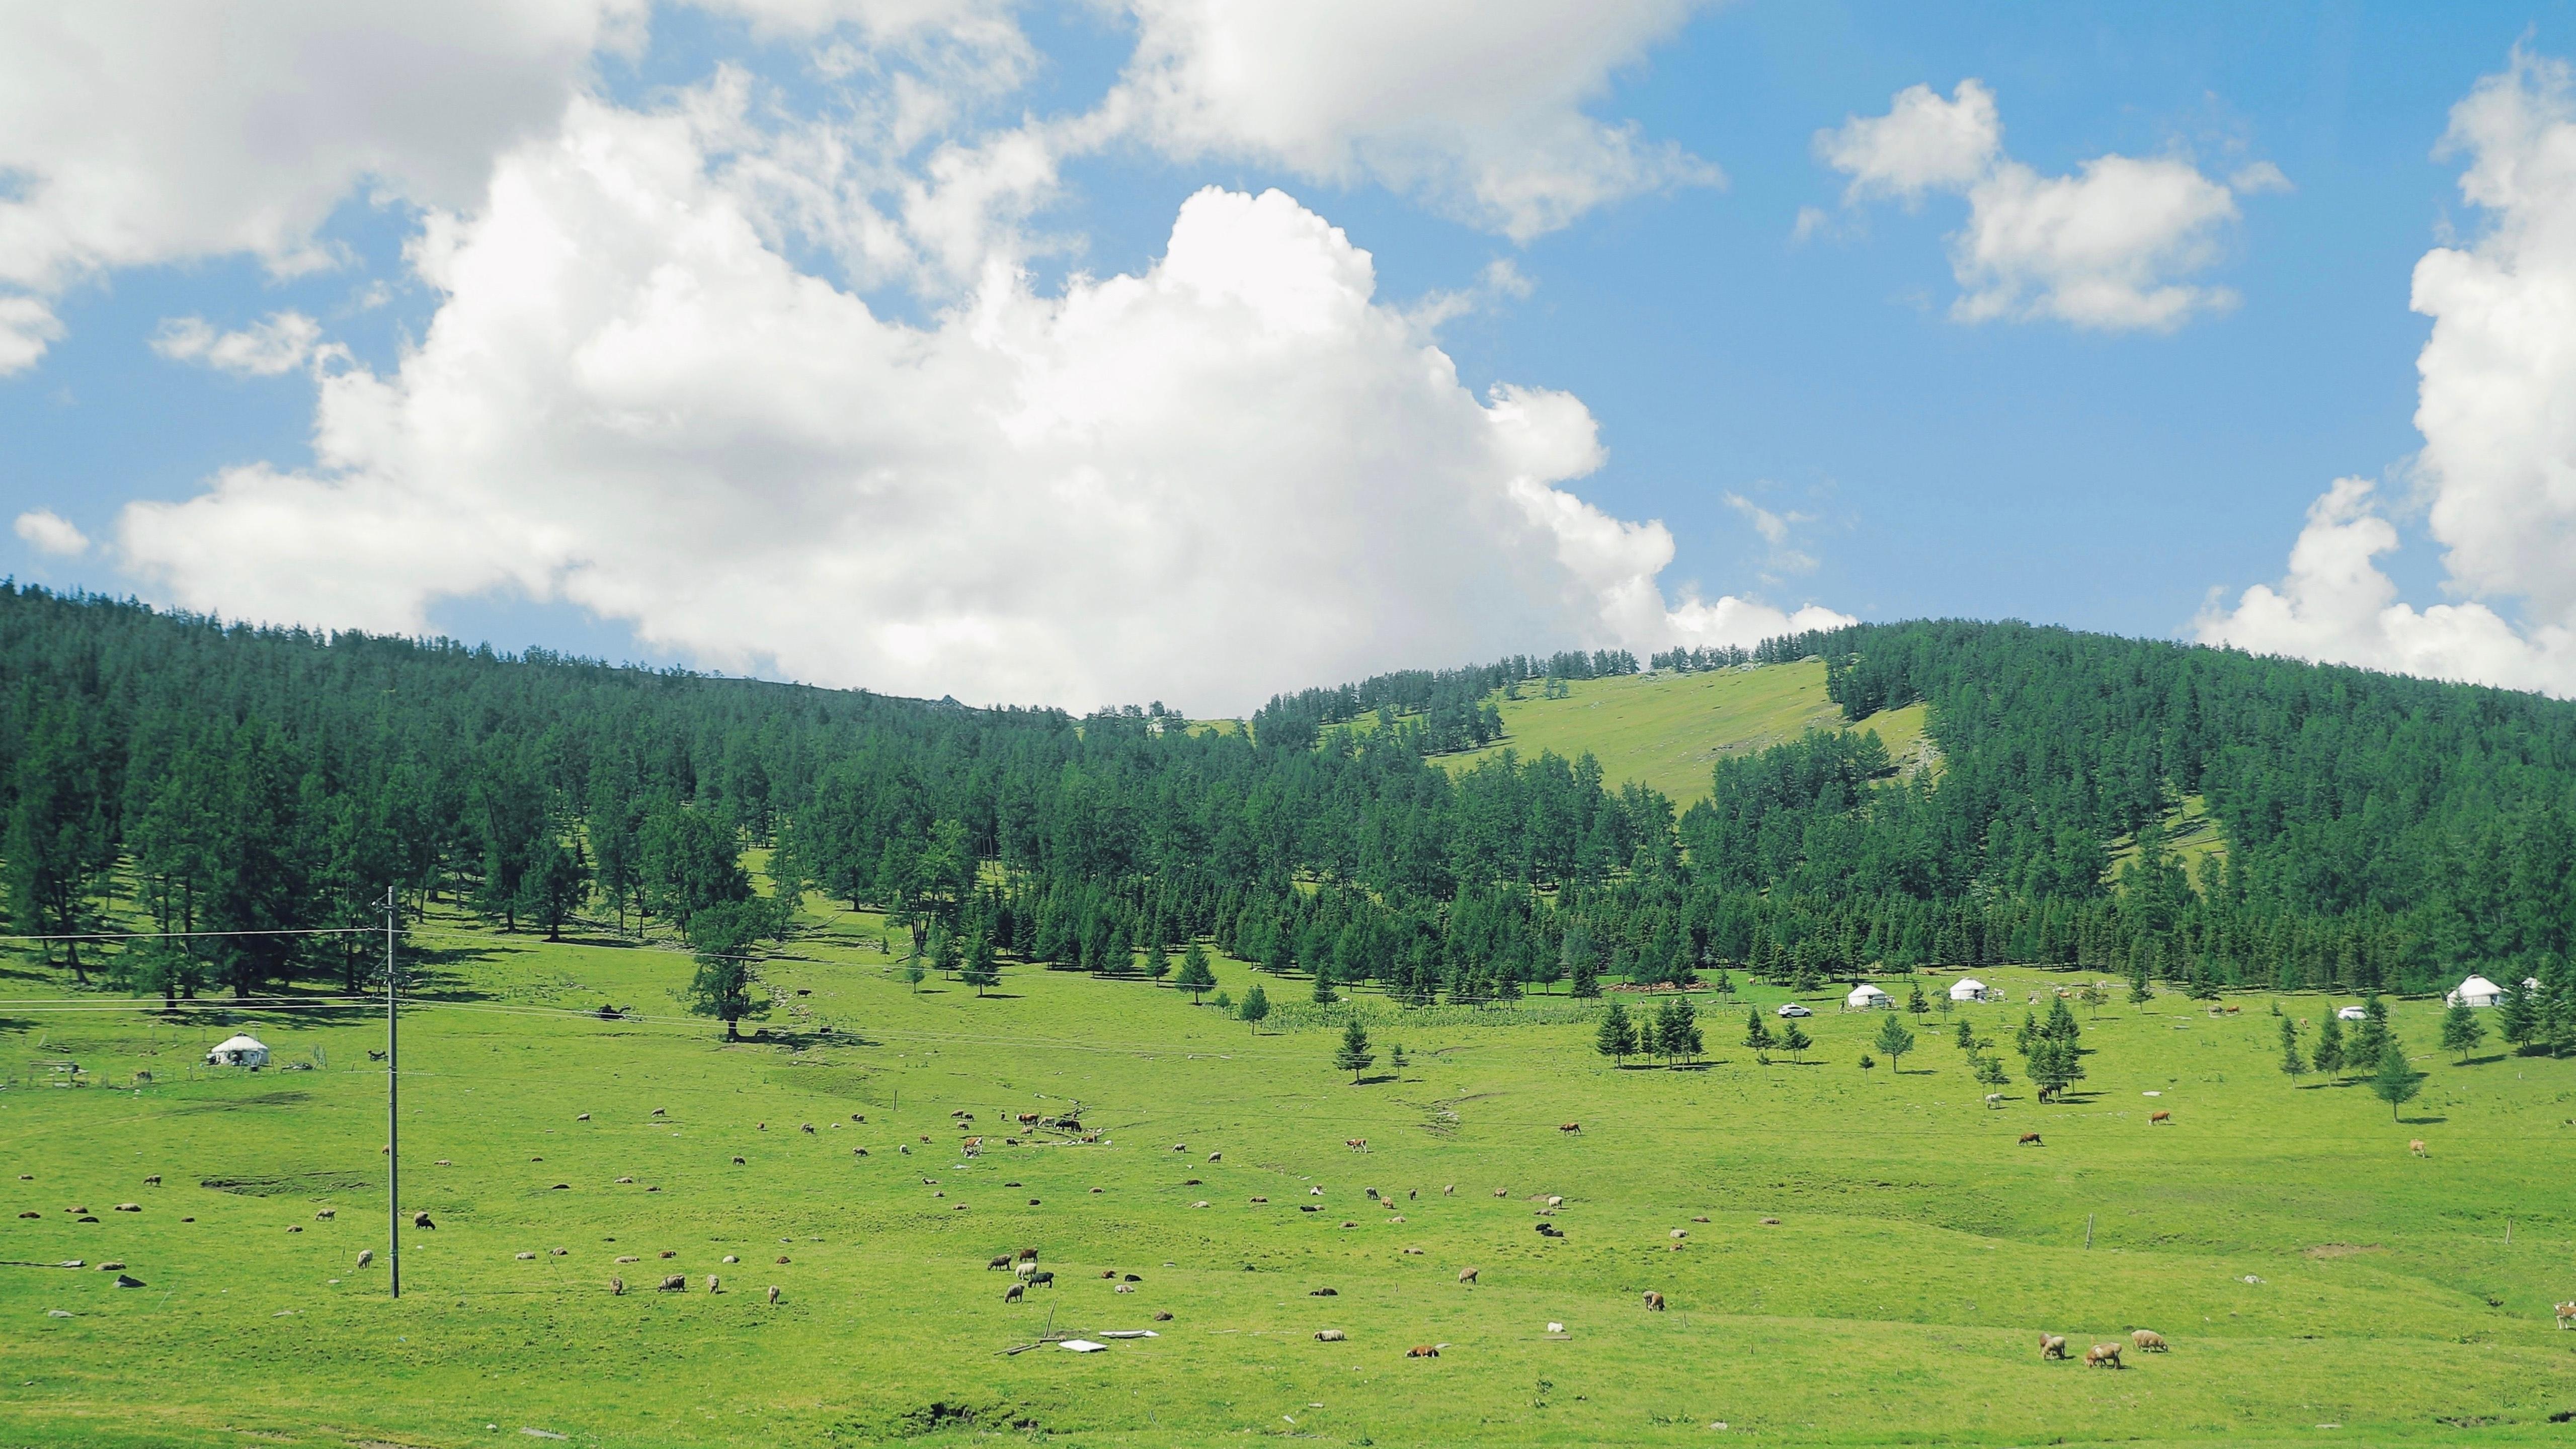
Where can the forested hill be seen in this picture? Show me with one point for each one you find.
(2380, 831)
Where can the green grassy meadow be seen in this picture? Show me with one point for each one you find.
(2319, 1284)
(1666, 730)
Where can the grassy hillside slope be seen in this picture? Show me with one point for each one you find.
(2318, 1282)
(1665, 730)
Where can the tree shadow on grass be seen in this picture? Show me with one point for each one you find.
(2421, 1121)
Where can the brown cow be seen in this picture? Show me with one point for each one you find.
(1028, 1119)
(2416, 1146)
(2052, 1345)
(1654, 1301)
(1575, 1128)
(2148, 1340)
(2031, 1139)
(1356, 1144)
(1028, 1255)
(2155, 1117)
(2567, 1315)
(1423, 1350)
(2102, 1355)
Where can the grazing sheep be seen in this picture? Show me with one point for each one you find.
(1012, 1293)
(1124, 1288)
(730, 1258)
(773, 1294)
(1555, 1202)
(1423, 1350)
(1314, 1192)
(527, 1257)
(1003, 1262)
(804, 1126)
(675, 1283)
(1680, 1233)
(1574, 1128)
(153, 1181)
(1466, 1275)
(714, 1284)
(2148, 1340)
(136, 1207)
(1323, 1293)
(1261, 1202)
(2052, 1345)
(1216, 1157)
(628, 1258)
(782, 1260)
(584, 1117)
(1502, 1192)
(2416, 1146)
(1163, 1317)
(1042, 1279)
(2567, 1315)
(1450, 1191)
(617, 1287)
(738, 1162)
(366, 1256)
(1994, 1100)
(421, 1221)
(670, 1252)
(1654, 1301)
(322, 1216)
(2030, 1139)
(1330, 1335)
(1027, 1255)
(2155, 1117)
(2102, 1355)
(657, 1111)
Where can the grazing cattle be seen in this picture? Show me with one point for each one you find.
(2416, 1146)
(1574, 1128)
(1994, 1099)
(773, 1294)
(2148, 1340)
(2567, 1315)
(1423, 1350)
(1042, 1279)
(617, 1287)
(2102, 1355)
(2052, 1345)
(2031, 1139)
(1654, 1301)
(1012, 1293)
(676, 1283)
(1356, 1144)
(1002, 1262)
(366, 1256)
(1466, 1275)
(2155, 1117)
(1028, 1119)
(1027, 1255)
(1329, 1335)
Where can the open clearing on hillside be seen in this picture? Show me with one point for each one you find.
(1918, 1250)
(1667, 730)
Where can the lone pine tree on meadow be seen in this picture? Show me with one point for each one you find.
(2291, 1066)
(1195, 976)
(722, 986)
(980, 969)
(1757, 1035)
(1895, 1041)
(2461, 1030)
(1256, 1005)
(1353, 1055)
(1795, 1041)
(2329, 1055)
(2395, 1082)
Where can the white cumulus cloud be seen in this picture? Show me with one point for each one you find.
(1232, 470)
(2110, 246)
(1474, 105)
(2498, 467)
(278, 343)
(49, 532)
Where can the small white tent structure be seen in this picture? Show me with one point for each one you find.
(1969, 988)
(2476, 991)
(239, 1051)
(1865, 996)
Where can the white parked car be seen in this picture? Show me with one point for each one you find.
(2351, 1013)
(1794, 1009)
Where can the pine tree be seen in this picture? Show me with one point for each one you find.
(1990, 1072)
(1757, 1035)
(2291, 1066)
(2519, 1021)
(1896, 1041)
(1195, 976)
(1353, 1056)
(1617, 1038)
(2395, 1082)
(2329, 1055)
(1158, 962)
(1915, 1005)
(1967, 1038)
(1795, 1041)
(1256, 1006)
(2462, 1031)
(2370, 1039)
(1324, 993)
(1587, 977)
(980, 968)
(2140, 993)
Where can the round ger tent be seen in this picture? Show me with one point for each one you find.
(1865, 996)
(239, 1051)
(2476, 991)
(1969, 988)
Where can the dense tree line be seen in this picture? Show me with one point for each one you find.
(2381, 833)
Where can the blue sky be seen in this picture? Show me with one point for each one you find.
(1910, 463)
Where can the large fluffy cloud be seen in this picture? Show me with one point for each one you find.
(2109, 247)
(1233, 471)
(2497, 408)
(1477, 105)
(135, 134)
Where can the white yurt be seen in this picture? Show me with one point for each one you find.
(2476, 991)
(1864, 997)
(239, 1051)
(1969, 988)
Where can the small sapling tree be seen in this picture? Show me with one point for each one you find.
(2291, 1066)
(1617, 1038)
(1353, 1055)
(1195, 976)
(1256, 1007)
(2395, 1082)
(980, 968)
(1895, 1041)
(2329, 1055)
(1757, 1035)
(2462, 1031)
(1795, 1041)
